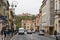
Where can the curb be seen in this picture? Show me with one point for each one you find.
(50, 37)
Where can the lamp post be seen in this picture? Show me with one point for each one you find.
(13, 6)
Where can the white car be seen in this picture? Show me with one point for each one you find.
(21, 31)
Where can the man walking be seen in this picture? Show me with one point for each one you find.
(55, 33)
(3, 33)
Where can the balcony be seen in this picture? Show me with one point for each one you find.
(57, 12)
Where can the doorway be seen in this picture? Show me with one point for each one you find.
(51, 30)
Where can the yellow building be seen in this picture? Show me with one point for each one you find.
(57, 23)
(38, 21)
(57, 16)
(33, 25)
(28, 24)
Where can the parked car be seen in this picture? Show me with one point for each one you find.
(21, 31)
(41, 32)
(29, 32)
(33, 31)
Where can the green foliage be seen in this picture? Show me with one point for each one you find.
(18, 26)
(19, 18)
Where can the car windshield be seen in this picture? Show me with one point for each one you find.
(42, 30)
(21, 30)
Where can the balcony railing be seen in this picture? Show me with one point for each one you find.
(57, 12)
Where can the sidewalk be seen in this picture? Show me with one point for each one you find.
(13, 37)
(51, 36)
(0, 37)
(8, 37)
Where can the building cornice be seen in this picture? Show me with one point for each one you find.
(43, 3)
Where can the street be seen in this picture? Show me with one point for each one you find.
(41, 18)
(31, 37)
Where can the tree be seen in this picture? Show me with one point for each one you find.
(19, 18)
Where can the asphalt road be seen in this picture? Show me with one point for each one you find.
(30, 37)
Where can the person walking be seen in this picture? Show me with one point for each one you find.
(55, 33)
(3, 33)
(12, 29)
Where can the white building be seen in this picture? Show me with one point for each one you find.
(48, 14)
(57, 15)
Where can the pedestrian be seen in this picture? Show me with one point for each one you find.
(12, 31)
(55, 33)
(4, 31)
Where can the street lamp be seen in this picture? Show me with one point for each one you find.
(13, 6)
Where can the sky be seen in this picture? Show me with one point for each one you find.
(26, 6)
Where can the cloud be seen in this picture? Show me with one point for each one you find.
(30, 6)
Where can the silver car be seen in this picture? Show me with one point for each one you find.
(21, 31)
(41, 32)
(29, 32)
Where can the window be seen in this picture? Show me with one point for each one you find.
(4, 4)
(56, 25)
(28, 26)
(59, 21)
(59, 4)
(59, 16)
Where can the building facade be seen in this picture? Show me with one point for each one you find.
(40, 12)
(33, 25)
(4, 10)
(57, 15)
(38, 22)
(28, 24)
(25, 14)
(48, 15)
